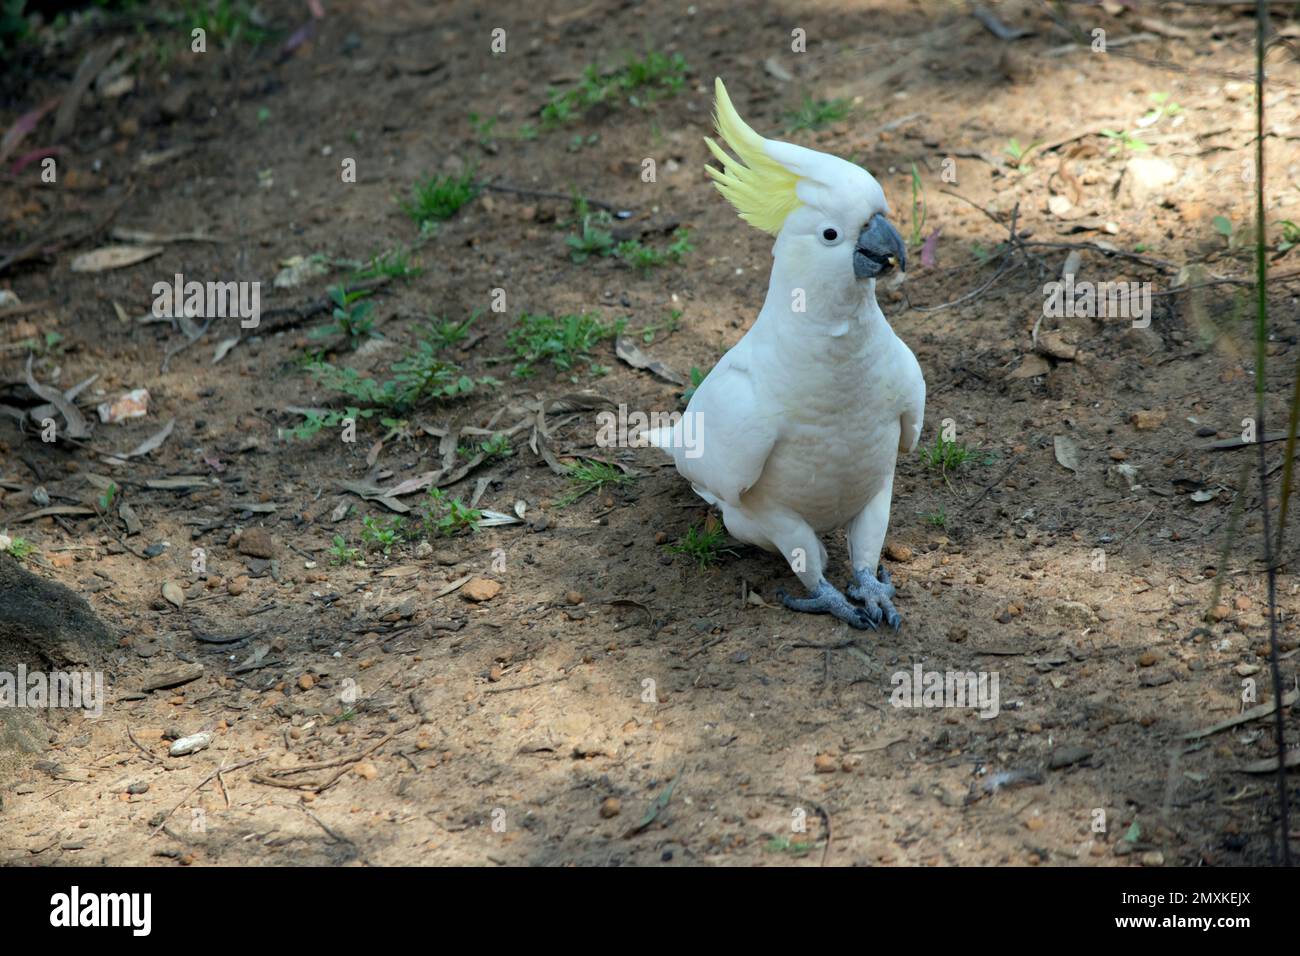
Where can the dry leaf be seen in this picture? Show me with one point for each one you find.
(630, 352)
(223, 348)
(77, 426)
(113, 257)
(153, 441)
(1031, 366)
(1067, 452)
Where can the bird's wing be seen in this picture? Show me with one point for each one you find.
(909, 434)
(737, 429)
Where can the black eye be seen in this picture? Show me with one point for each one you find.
(830, 235)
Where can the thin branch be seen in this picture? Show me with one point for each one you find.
(1261, 360)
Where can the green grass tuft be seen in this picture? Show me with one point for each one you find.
(586, 476)
(703, 543)
(562, 341)
(436, 199)
(816, 114)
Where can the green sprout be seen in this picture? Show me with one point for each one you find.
(340, 553)
(703, 544)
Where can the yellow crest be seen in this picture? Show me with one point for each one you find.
(761, 189)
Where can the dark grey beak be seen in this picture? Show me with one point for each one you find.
(880, 248)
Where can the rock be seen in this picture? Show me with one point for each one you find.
(1068, 756)
(1152, 858)
(825, 763)
(573, 597)
(1147, 659)
(1148, 178)
(20, 730)
(1123, 475)
(1147, 420)
(1059, 205)
(366, 770)
(480, 589)
(238, 585)
(172, 593)
(610, 807)
(174, 103)
(1075, 612)
(446, 558)
(191, 744)
(44, 622)
(898, 552)
(134, 404)
(1053, 343)
(423, 550)
(171, 677)
(257, 543)
(1235, 90)
(591, 746)
(1145, 340)
(1218, 612)
(306, 682)
(1149, 678)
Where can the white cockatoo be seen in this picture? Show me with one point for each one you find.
(797, 429)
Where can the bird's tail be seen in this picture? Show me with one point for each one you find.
(662, 438)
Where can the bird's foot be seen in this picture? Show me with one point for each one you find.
(876, 592)
(827, 600)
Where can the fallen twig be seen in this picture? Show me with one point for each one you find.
(1245, 717)
(344, 764)
(199, 786)
(538, 683)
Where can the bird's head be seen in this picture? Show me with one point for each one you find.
(830, 215)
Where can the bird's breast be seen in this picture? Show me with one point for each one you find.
(830, 460)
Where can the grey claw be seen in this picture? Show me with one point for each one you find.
(827, 600)
(875, 593)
